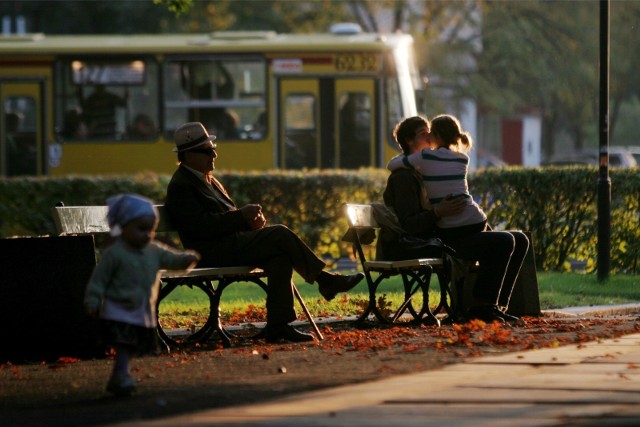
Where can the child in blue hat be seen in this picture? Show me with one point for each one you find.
(123, 289)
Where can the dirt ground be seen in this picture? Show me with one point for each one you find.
(71, 392)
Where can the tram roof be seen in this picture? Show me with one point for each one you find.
(224, 42)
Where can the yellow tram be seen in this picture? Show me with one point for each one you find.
(110, 104)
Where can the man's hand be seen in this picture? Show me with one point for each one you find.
(449, 206)
(253, 215)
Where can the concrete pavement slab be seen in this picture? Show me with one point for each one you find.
(595, 310)
(584, 384)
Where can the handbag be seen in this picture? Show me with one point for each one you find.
(397, 244)
(407, 247)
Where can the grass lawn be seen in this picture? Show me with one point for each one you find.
(555, 289)
(576, 290)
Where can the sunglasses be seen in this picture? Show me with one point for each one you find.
(208, 151)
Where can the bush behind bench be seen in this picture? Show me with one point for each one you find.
(557, 204)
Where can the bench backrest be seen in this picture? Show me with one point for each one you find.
(360, 216)
(93, 219)
(361, 222)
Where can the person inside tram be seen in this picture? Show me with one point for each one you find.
(99, 109)
(260, 126)
(20, 147)
(142, 127)
(11, 124)
(213, 81)
(74, 126)
(355, 121)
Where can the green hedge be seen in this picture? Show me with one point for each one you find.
(558, 205)
(309, 202)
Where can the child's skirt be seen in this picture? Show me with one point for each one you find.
(144, 341)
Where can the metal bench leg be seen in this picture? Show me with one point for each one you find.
(444, 279)
(372, 298)
(196, 335)
(296, 292)
(430, 318)
(421, 280)
(372, 307)
(215, 323)
(410, 291)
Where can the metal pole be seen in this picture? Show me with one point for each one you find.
(604, 182)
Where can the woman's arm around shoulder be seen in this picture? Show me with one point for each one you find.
(404, 194)
(399, 162)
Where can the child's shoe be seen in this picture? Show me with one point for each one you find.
(122, 385)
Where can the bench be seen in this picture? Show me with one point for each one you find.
(416, 273)
(70, 220)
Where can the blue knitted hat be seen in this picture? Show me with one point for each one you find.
(124, 208)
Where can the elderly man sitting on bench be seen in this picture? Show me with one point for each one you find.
(209, 222)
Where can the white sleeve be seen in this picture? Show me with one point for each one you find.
(398, 162)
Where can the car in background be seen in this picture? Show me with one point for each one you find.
(485, 159)
(618, 157)
(635, 152)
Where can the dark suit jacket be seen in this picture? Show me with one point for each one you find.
(207, 220)
(404, 194)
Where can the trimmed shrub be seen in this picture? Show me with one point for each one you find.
(557, 204)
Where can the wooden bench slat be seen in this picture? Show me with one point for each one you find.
(392, 265)
(213, 272)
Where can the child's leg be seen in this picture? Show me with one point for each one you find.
(121, 383)
(121, 367)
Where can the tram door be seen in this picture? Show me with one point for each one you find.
(327, 123)
(21, 132)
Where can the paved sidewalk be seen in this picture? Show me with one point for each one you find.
(595, 310)
(592, 384)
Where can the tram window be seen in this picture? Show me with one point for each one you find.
(107, 99)
(228, 95)
(394, 109)
(300, 112)
(355, 129)
(301, 132)
(20, 155)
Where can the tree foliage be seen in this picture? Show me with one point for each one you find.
(545, 56)
(89, 17)
(447, 50)
(259, 15)
(530, 56)
(541, 56)
(179, 7)
(625, 57)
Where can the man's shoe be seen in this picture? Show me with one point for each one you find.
(486, 313)
(285, 332)
(121, 386)
(330, 284)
